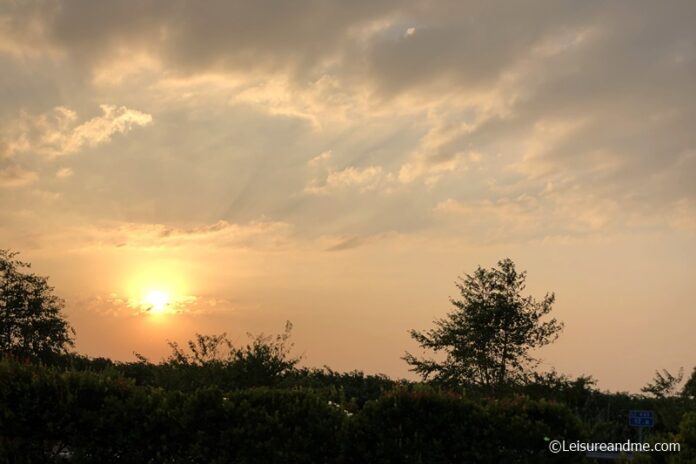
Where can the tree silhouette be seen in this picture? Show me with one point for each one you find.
(487, 338)
(664, 383)
(31, 321)
(689, 389)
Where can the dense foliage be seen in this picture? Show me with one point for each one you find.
(426, 427)
(47, 414)
(98, 414)
(690, 386)
(32, 324)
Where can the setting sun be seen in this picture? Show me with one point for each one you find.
(157, 301)
(158, 287)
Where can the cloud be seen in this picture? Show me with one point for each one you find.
(364, 179)
(513, 218)
(347, 244)
(560, 211)
(63, 173)
(16, 176)
(219, 234)
(320, 159)
(231, 36)
(431, 168)
(433, 101)
(116, 305)
(683, 215)
(59, 132)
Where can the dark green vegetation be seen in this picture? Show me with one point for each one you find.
(213, 402)
(31, 323)
(99, 411)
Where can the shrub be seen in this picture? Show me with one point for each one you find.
(438, 428)
(46, 413)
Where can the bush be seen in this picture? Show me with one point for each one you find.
(46, 415)
(267, 426)
(438, 428)
(687, 438)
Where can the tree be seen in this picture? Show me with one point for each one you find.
(689, 389)
(32, 324)
(664, 383)
(486, 340)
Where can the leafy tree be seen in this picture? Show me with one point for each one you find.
(664, 383)
(486, 340)
(689, 389)
(32, 324)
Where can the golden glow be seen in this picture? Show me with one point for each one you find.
(157, 301)
(157, 288)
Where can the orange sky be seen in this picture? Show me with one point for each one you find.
(339, 165)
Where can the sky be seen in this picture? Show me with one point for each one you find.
(232, 165)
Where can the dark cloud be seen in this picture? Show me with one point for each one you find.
(466, 45)
(191, 36)
(348, 244)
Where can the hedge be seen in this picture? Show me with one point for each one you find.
(50, 415)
